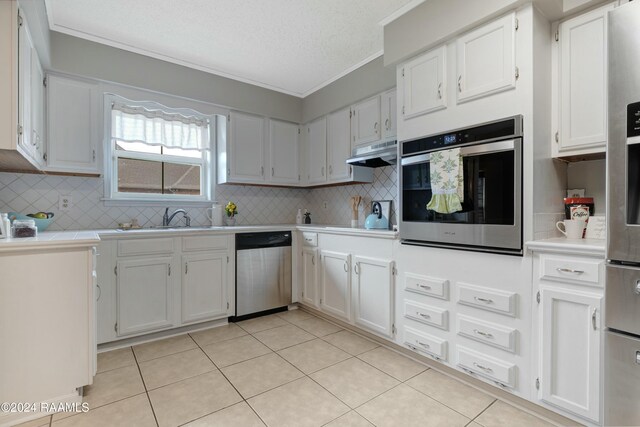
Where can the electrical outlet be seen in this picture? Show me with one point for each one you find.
(325, 205)
(65, 203)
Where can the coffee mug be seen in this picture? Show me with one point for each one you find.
(573, 228)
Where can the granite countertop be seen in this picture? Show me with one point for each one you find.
(51, 239)
(591, 247)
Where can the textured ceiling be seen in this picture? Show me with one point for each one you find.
(292, 46)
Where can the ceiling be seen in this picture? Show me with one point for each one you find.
(292, 46)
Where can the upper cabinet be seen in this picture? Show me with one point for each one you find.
(246, 148)
(423, 83)
(365, 121)
(338, 145)
(317, 151)
(580, 82)
(72, 119)
(486, 59)
(283, 143)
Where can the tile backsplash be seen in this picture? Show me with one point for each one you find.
(28, 193)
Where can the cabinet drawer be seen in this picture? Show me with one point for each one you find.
(433, 316)
(487, 299)
(582, 271)
(488, 333)
(309, 239)
(425, 285)
(487, 366)
(203, 243)
(145, 246)
(425, 343)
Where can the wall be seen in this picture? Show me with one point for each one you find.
(592, 176)
(89, 59)
(361, 83)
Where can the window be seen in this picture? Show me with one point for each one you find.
(158, 153)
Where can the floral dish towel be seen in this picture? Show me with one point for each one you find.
(447, 181)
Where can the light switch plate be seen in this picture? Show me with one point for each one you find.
(65, 203)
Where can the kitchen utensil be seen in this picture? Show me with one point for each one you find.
(214, 213)
(376, 220)
(355, 203)
(571, 228)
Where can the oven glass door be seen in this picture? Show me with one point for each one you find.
(489, 187)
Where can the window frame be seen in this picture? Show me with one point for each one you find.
(206, 161)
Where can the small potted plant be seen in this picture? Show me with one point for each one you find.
(231, 210)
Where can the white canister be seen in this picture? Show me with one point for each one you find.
(214, 213)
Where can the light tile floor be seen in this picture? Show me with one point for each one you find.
(288, 369)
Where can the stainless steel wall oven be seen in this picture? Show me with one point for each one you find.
(490, 218)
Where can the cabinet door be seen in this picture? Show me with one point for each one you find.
(303, 155)
(204, 286)
(72, 117)
(424, 83)
(283, 142)
(373, 294)
(335, 296)
(310, 276)
(246, 148)
(583, 81)
(317, 151)
(25, 45)
(37, 108)
(145, 295)
(570, 351)
(486, 59)
(338, 145)
(389, 107)
(365, 121)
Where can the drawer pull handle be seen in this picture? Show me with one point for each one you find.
(484, 368)
(485, 300)
(569, 270)
(484, 334)
(426, 316)
(424, 344)
(593, 319)
(420, 285)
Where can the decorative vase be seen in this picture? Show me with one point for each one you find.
(230, 221)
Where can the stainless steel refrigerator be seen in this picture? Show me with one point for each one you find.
(622, 311)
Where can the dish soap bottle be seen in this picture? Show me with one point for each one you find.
(299, 217)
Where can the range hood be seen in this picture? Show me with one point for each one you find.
(375, 155)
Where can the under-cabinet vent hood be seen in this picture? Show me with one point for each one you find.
(375, 155)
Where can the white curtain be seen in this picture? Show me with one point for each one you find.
(157, 127)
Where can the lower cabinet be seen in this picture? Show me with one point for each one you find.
(204, 286)
(570, 339)
(373, 294)
(310, 291)
(335, 289)
(144, 292)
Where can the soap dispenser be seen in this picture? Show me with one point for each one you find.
(299, 217)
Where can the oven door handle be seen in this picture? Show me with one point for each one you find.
(470, 150)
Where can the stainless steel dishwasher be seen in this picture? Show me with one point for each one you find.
(263, 273)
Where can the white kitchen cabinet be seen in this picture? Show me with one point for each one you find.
(570, 339)
(581, 79)
(303, 156)
(310, 261)
(335, 293)
(338, 145)
(373, 290)
(204, 286)
(389, 113)
(365, 122)
(486, 59)
(245, 161)
(145, 295)
(424, 83)
(283, 144)
(72, 121)
(317, 151)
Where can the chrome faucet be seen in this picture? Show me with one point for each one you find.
(166, 218)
